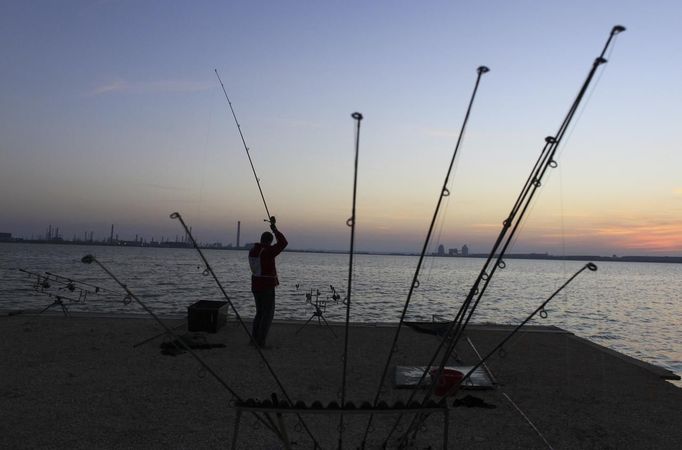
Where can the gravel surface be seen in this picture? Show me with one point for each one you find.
(79, 382)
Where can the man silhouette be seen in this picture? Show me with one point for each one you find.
(264, 280)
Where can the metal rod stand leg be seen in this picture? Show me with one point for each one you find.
(283, 431)
(236, 429)
(328, 326)
(446, 423)
(304, 325)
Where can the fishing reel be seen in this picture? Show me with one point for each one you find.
(336, 296)
(50, 284)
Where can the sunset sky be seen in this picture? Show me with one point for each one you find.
(110, 113)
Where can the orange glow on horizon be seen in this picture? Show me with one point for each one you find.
(658, 237)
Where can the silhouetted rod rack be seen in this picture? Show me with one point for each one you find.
(280, 407)
(334, 407)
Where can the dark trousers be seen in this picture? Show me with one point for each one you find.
(265, 311)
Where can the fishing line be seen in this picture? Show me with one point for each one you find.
(443, 216)
(241, 135)
(562, 217)
(511, 223)
(528, 420)
(588, 97)
(203, 167)
(443, 193)
(177, 216)
(351, 223)
(264, 360)
(485, 366)
(89, 259)
(431, 262)
(545, 161)
(439, 233)
(567, 141)
(419, 419)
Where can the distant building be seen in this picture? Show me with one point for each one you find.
(453, 252)
(441, 250)
(465, 250)
(5, 236)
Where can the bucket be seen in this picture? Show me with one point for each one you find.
(449, 378)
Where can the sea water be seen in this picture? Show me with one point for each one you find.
(633, 308)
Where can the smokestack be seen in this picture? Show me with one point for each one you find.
(239, 226)
(111, 236)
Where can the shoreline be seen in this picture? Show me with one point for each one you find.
(79, 382)
(531, 256)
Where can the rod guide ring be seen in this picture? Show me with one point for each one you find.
(356, 116)
(175, 215)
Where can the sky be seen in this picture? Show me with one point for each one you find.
(111, 113)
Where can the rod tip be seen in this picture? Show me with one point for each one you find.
(356, 116)
(175, 215)
(618, 29)
(88, 259)
(483, 69)
(592, 267)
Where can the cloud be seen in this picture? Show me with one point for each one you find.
(146, 87)
(114, 86)
(660, 236)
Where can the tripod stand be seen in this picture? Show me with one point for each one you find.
(320, 307)
(58, 301)
(52, 285)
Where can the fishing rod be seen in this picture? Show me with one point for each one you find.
(416, 423)
(351, 223)
(70, 282)
(533, 183)
(89, 259)
(210, 270)
(511, 224)
(43, 281)
(239, 128)
(415, 280)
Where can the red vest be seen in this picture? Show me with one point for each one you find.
(262, 262)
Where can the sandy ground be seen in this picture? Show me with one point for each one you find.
(79, 382)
